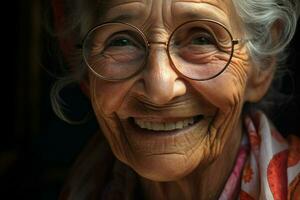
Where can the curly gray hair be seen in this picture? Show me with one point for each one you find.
(258, 17)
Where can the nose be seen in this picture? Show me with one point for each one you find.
(161, 83)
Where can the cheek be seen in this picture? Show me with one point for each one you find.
(107, 97)
(228, 89)
(226, 93)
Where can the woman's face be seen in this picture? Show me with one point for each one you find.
(161, 124)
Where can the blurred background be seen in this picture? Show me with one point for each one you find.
(36, 148)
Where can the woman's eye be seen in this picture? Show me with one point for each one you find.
(201, 41)
(121, 42)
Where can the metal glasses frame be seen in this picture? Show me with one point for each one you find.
(148, 45)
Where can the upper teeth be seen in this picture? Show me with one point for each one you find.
(164, 126)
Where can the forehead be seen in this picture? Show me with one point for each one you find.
(118, 2)
(175, 9)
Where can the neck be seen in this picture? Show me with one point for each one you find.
(205, 182)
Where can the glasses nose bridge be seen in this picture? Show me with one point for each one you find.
(156, 37)
(161, 43)
(158, 47)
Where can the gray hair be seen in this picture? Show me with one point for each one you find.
(258, 16)
(259, 19)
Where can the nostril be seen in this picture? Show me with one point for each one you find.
(161, 93)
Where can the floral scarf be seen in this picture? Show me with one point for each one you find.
(267, 166)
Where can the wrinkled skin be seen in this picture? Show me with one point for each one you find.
(181, 165)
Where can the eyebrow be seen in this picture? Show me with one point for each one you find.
(122, 18)
(196, 15)
(199, 13)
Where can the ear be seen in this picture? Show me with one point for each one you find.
(259, 81)
(262, 76)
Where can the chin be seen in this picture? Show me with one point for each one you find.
(163, 168)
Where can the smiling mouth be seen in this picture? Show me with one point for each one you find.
(166, 126)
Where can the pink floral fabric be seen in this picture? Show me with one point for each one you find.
(267, 165)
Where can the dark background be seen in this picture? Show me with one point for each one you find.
(36, 148)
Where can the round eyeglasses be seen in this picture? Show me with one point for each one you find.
(198, 50)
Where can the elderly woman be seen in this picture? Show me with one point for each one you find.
(175, 86)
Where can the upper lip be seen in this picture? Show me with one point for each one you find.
(165, 116)
(141, 109)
